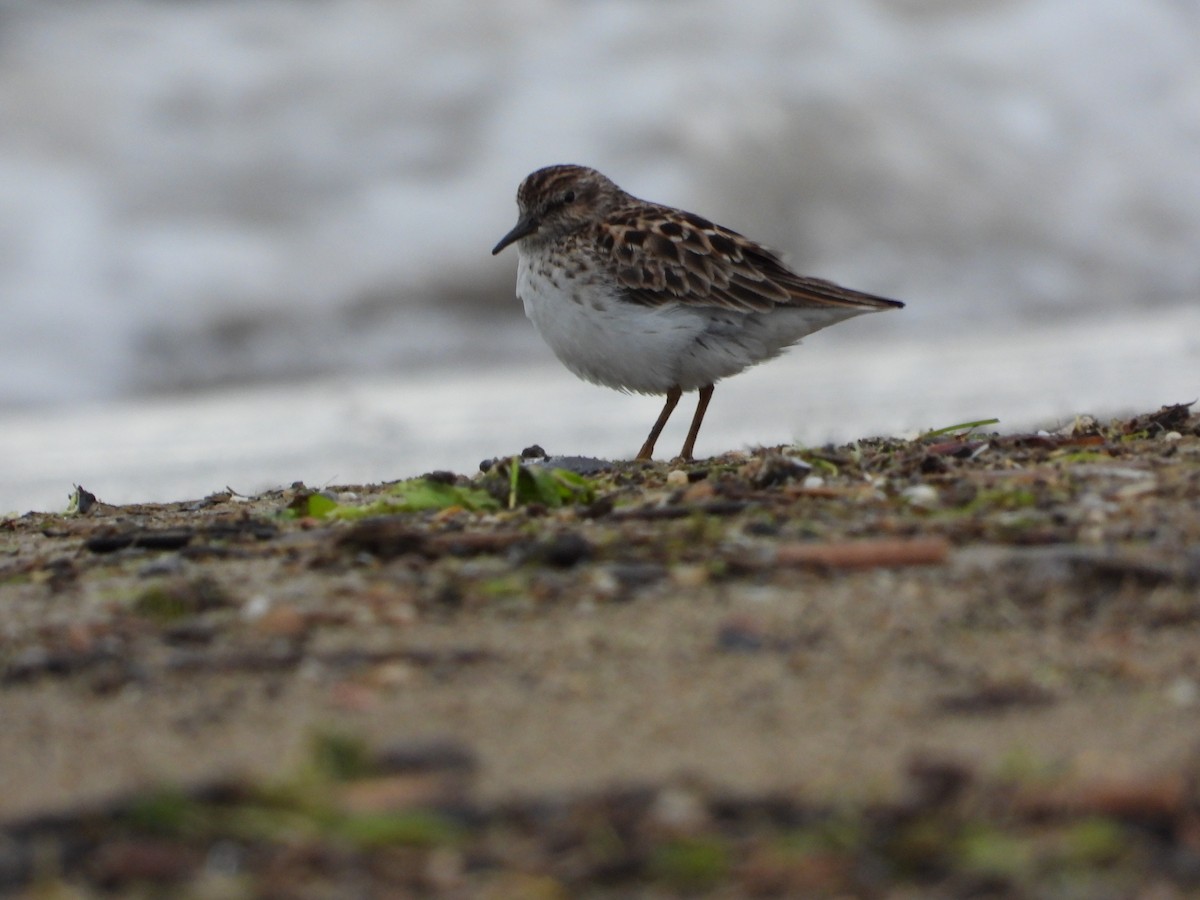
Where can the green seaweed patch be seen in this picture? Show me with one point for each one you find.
(1094, 842)
(919, 845)
(166, 812)
(505, 587)
(315, 505)
(984, 850)
(170, 812)
(1022, 768)
(412, 828)
(420, 494)
(340, 757)
(960, 428)
(546, 486)
(1141, 434)
(1001, 498)
(258, 819)
(413, 495)
(158, 602)
(821, 465)
(836, 835)
(1078, 457)
(168, 601)
(690, 863)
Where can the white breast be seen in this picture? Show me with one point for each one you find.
(601, 338)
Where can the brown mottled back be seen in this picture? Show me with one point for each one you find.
(663, 255)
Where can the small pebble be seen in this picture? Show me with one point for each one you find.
(444, 869)
(392, 675)
(677, 478)
(1183, 692)
(678, 809)
(740, 635)
(564, 550)
(689, 576)
(699, 492)
(922, 496)
(282, 621)
(775, 468)
(224, 859)
(256, 607)
(171, 564)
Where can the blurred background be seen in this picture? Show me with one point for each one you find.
(248, 243)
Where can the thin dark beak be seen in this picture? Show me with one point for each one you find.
(527, 225)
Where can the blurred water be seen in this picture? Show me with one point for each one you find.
(197, 193)
(199, 196)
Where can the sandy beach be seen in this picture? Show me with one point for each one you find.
(963, 660)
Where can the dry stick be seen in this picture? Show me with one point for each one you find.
(865, 554)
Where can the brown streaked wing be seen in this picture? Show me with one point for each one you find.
(819, 292)
(661, 255)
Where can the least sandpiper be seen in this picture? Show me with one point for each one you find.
(642, 297)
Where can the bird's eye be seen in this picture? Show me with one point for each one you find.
(569, 197)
